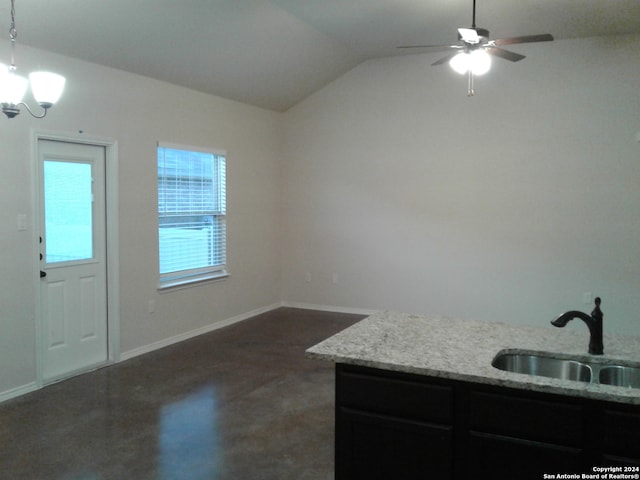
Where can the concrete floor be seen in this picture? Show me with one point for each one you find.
(240, 403)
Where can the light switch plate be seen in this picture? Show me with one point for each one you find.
(22, 222)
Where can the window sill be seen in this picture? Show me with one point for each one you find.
(180, 283)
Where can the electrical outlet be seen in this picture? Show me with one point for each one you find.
(587, 298)
(152, 306)
(307, 277)
(334, 278)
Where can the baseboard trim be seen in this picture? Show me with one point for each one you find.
(238, 318)
(18, 391)
(33, 386)
(194, 333)
(329, 308)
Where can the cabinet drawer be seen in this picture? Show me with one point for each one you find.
(528, 418)
(504, 458)
(401, 396)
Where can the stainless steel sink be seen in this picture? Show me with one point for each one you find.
(543, 366)
(546, 365)
(620, 376)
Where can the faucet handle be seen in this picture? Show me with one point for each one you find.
(597, 313)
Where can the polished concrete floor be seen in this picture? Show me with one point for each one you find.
(239, 403)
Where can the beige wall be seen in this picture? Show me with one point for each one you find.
(506, 206)
(137, 112)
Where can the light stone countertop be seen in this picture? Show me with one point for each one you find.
(458, 349)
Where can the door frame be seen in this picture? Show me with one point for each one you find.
(112, 244)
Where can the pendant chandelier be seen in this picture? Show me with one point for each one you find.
(46, 87)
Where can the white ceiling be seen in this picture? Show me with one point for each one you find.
(274, 53)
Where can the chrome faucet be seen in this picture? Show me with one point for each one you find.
(593, 321)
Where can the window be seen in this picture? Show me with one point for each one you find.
(191, 214)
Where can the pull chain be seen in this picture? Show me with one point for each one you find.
(13, 34)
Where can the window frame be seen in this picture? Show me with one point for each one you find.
(186, 277)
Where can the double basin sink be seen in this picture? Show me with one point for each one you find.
(587, 371)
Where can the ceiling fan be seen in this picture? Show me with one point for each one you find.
(472, 54)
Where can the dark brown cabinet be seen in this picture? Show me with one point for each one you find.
(621, 437)
(392, 426)
(405, 426)
(382, 447)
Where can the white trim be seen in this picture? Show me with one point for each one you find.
(191, 148)
(33, 386)
(329, 308)
(162, 289)
(188, 280)
(215, 260)
(194, 333)
(75, 373)
(18, 391)
(113, 250)
(112, 220)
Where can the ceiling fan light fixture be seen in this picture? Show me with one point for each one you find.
(460, 63)
(474, 50)
(480, 62)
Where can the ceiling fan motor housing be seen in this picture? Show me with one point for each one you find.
(483, 33)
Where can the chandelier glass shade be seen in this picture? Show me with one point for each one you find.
(46, 87)
(12, 87)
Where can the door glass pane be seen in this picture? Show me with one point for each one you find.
(68, 211)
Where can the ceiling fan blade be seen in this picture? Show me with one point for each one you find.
(544, 37)
(445, 59)
(506, 54)
(437, 48)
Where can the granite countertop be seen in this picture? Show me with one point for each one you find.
(458, 349)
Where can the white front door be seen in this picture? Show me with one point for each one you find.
(73, 272)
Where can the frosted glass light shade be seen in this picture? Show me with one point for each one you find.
(12, 88)
(460, 63)
(46, 87)
(480, 62)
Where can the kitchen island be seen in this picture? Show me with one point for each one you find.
(418, 397)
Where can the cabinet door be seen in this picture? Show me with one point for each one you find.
(376, 447)
(622, 436)
(504, 458)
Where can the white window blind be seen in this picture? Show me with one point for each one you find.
(191, 214)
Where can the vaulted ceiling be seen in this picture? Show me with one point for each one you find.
(274, 53)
